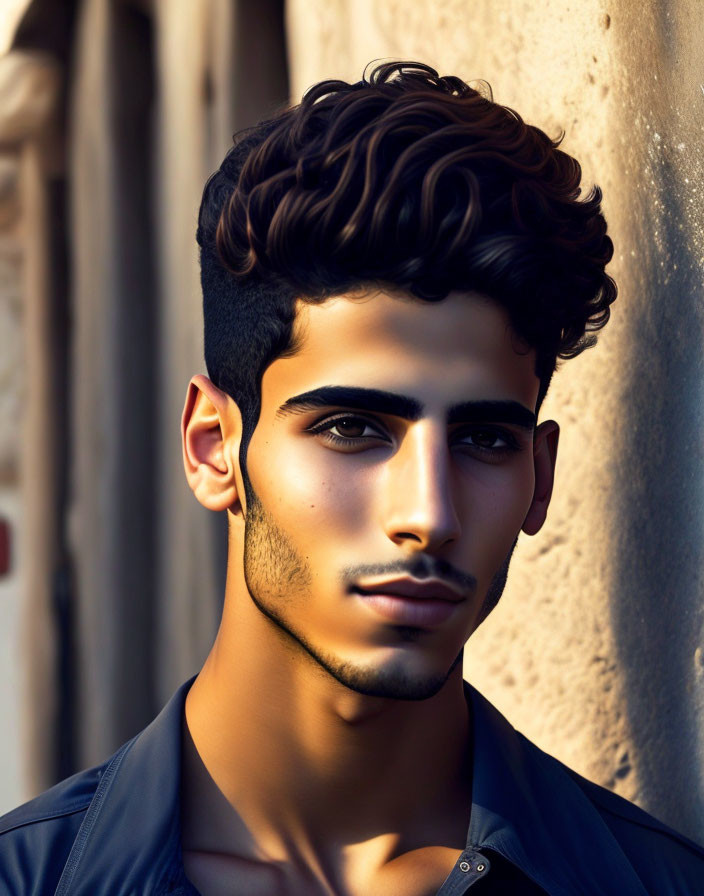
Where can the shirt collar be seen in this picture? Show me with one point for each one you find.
(525, 806)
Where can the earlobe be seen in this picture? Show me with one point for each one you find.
(544, 458)
(210, 434)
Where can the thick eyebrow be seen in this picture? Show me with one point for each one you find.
(381, 402)
(492, 412)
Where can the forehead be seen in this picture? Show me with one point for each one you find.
(457, 349)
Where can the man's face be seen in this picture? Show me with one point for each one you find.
(396, 445)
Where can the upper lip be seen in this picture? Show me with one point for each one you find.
(410, 587)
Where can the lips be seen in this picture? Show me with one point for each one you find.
(408, 601)
(426, 589)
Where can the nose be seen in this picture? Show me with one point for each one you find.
(420, 510)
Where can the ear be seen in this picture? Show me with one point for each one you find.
(211, 431)
(545, 441)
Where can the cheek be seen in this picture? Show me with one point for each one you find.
(496, 500)
(310, 493)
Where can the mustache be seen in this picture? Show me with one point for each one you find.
(420, 567)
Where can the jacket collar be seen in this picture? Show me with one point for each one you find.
(525, 806)
(130, 839)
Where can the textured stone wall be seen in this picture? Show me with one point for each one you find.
(596, 651)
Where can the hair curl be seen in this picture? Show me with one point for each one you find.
(405, 180)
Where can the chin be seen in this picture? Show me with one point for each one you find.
(397, 683)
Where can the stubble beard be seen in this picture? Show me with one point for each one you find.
(275, 573)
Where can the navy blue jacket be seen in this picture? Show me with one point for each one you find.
(115, 829)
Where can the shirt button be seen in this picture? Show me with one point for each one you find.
(465, 866)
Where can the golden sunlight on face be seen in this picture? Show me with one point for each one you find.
(397, 444)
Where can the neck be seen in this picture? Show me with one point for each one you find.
(275, 746)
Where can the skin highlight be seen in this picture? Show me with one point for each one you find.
(309, 701)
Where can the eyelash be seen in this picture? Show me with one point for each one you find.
(323, 427)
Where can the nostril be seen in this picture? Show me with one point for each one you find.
(406, 535)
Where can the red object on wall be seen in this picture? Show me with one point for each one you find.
(4, 547)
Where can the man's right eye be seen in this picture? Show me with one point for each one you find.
(347, 429)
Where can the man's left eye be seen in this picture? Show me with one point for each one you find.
(488, 440)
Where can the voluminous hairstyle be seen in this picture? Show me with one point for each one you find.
(406, 181)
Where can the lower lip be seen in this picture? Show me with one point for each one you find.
(409, 610)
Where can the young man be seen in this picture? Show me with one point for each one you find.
(390, 271)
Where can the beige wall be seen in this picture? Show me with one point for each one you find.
(12, 381)
(597, 649)
(154, 102)
(29, 90)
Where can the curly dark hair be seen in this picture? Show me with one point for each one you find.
(407, 181)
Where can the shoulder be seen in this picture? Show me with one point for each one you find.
(665, 860)
(654, 849)
(36, 837)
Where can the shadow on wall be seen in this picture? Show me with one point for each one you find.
(658, 522)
